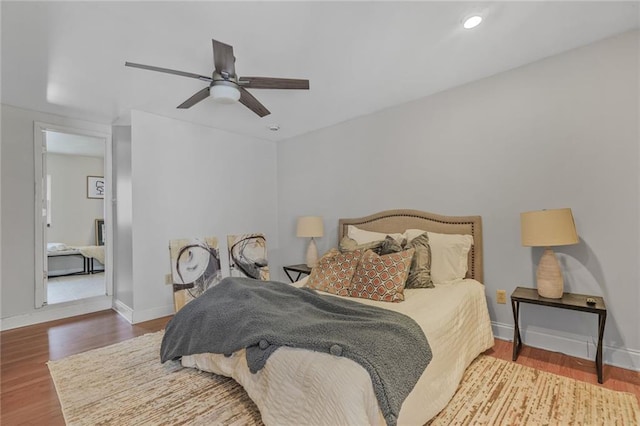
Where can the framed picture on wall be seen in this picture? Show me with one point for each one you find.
(95, 186)
(100, 232)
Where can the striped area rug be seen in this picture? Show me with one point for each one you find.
(125, 384)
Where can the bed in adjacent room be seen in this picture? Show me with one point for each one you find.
(65, 260)
(301, 386)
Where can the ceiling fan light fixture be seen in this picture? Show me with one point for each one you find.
(472, 22)
(224, 94)
(223, 84)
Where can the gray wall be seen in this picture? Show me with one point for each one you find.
(17, 293)
(193, 181)
(561, 132)
(18, 204)
(122, 253)
(73, 215)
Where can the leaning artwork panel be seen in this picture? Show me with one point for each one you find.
(195, 266)
(248, 256)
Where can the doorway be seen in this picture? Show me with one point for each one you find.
(74, 212)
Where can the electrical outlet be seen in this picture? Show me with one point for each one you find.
(168, 280)
(501, 296)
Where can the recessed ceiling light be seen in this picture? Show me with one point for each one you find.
(274, 127)
(472, 22)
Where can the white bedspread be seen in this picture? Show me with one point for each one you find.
(299, 386)
(96, 252)
(60, 249)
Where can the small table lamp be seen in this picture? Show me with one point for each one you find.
(310, 226)
(547, 228)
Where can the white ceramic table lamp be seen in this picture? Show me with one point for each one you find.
(547, 228)
(310, 226)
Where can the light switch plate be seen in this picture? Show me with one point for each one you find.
(501, 296)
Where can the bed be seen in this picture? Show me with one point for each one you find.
(60, 260)
(298, 386)
(60, 263)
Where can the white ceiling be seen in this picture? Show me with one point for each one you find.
(68, 57)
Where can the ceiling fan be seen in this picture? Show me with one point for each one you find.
(225, 86)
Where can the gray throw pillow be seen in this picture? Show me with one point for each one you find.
(420, 272)
(390, 245)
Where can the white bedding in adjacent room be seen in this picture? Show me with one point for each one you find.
(298, 386)
(60, 249)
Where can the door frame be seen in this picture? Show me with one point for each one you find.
(39, 144)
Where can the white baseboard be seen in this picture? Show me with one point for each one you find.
(81, 307)
(123, 310)
(135, 317)
(153, 313)
(57, 311)
(578, 347)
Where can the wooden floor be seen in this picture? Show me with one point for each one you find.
(27, 393)
(558, 363)
(28, 396)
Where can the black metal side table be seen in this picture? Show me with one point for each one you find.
(575, 302)
(300, 269)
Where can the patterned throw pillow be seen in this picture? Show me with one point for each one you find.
(420, 272)
(381, 277)
(334, 272)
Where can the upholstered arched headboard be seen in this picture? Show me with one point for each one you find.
(391, 221)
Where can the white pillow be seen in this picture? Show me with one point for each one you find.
(363, 237)
(57, 247)
(410, 234)
(449, 256)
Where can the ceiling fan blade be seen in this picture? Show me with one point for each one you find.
(199, 96)
(252, 103)
(273, 83)
(168, 71)
(223, 58)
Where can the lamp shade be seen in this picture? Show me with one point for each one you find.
(546, 228)
(310, 226)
